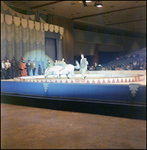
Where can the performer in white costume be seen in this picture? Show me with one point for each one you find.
(83, 66)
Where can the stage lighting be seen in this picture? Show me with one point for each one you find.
(92, 3)
(98, 4)
(87, 3)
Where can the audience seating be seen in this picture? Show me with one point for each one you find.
(125, 60)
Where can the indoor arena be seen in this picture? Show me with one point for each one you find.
(73, 74)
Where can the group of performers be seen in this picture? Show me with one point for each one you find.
(25, 68)
(5, 69)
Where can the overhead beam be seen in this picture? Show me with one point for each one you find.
(107, 12)
(124, 22)
(51, 3)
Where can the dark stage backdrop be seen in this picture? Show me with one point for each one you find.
(50, 48)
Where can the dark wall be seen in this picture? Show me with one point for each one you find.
(105, 57)
(128, 40)
(106, 30)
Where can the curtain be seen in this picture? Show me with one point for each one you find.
(18, 41)
(53, 45)
(26, 38)
(50, 48)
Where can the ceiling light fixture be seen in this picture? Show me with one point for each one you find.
(88, 1)
(98, 4)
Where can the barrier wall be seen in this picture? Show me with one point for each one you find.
(121, 100)
(131, 94)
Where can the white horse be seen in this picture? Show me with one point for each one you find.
(60, 70)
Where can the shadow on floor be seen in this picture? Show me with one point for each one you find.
(118, 110)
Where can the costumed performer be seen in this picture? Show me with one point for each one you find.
(23, 68)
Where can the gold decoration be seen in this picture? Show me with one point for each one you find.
(8, 19)
(17, 21)
(24, 22)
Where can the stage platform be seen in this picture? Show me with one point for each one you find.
(92, 77)
(128, 92)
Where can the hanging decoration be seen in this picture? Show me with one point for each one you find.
(8, 19)
(2, 18)
(24, 22)
(37, 25)
(56, 29)
(12, 12)
(51, 28)
(44, 26)
(61, 31)
(31, 24)
(17, 21)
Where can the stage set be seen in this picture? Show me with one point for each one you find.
(126, 90)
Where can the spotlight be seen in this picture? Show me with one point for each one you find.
(98, 4)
